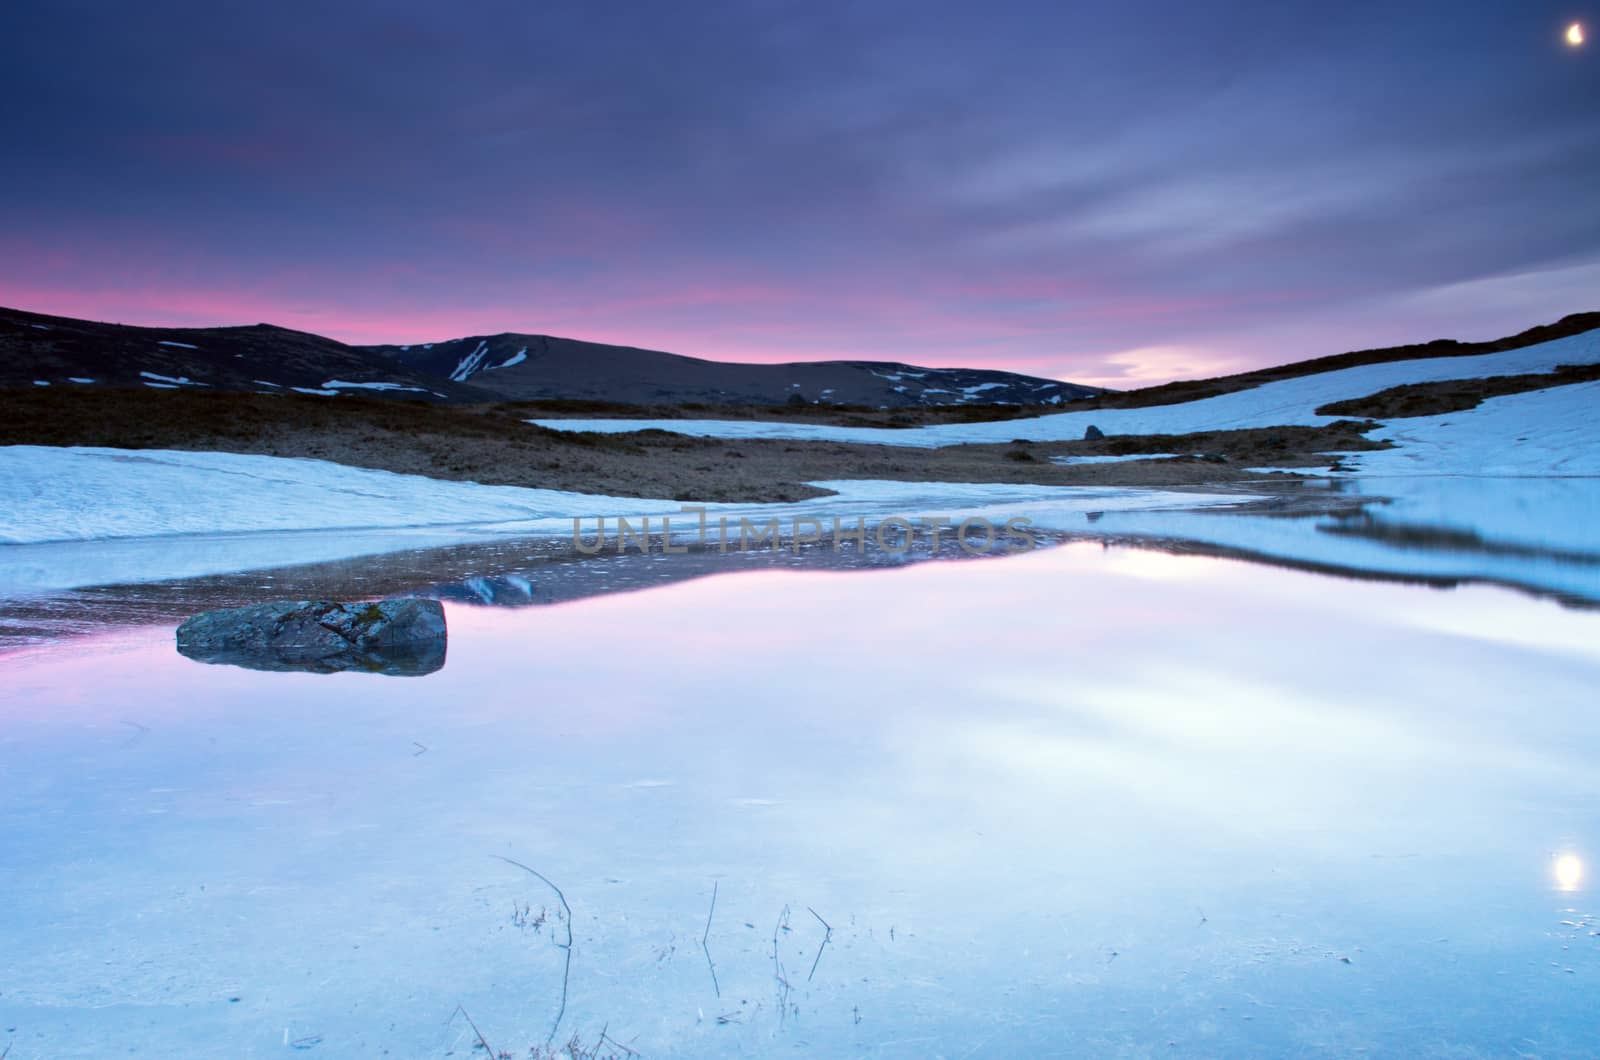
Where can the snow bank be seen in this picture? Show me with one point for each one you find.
(1286, 403)
(54, 494)
(1540, 432)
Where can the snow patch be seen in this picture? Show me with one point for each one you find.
(181, 380)
(179, 345)
(515, 359)
(1113, 459)
(340, 384)
(470, 363)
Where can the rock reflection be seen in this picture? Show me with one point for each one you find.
(410, 660)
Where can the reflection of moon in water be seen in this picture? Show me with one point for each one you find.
(1569, 872)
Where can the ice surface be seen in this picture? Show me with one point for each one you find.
(1078, 803)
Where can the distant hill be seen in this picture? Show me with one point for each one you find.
(36, 349)
(1197, 389)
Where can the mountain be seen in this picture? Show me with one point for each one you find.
(36, 349)
(527, 367)
(60, 351)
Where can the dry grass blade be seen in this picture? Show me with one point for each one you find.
(706, 935)
(481, 1039)
(827, 937)
(566, 972)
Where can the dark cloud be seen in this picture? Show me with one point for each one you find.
(1039, 184)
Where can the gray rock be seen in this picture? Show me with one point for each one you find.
(1093, 434)
(399, 637)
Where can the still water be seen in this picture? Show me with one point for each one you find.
(1073, 802)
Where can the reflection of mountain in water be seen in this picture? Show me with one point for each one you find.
(553, 581)
(507, 590)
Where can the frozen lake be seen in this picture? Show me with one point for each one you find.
(1072, 802)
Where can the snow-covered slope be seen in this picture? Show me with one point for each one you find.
(1285, 403)
(1538, 432)
(55, 494)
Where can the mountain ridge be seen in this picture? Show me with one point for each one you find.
(44, 350)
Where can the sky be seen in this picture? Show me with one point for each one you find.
(1113, 193)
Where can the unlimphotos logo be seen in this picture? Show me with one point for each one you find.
(895, 534)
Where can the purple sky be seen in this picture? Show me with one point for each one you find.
(1106, 192)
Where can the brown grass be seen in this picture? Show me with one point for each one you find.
(1453, 395)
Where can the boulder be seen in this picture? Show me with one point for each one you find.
(1093, 434)
(400, 637)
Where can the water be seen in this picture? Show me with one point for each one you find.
(1073, 802)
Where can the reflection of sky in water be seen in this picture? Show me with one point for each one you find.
(1075, 802)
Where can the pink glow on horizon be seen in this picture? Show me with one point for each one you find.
(1038, 325)
(416, 326)
(985, 348)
